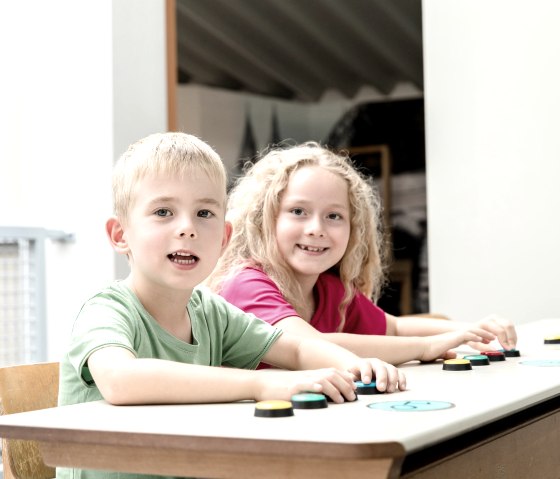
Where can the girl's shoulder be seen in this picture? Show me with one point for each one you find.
(248, 277)
(246, 274)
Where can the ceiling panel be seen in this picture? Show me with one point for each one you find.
(299, 49)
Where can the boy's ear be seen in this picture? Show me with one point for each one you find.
(228, 230)
(116, 235)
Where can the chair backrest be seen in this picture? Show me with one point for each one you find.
(27, 388)
(371, 157)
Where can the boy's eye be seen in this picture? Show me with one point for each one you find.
(297, 211)
(205, 214)
(163, 212)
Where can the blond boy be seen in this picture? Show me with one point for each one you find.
(156, 337)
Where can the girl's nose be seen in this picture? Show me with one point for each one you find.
(315, 227)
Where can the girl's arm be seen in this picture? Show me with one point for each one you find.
(490, 328)
(390, 348)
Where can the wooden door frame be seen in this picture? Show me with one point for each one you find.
(171, 58)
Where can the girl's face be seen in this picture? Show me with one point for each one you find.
(313, 224)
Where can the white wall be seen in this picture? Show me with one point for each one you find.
(63, 116)
(493, 156)
(76, 90)
(139, 78)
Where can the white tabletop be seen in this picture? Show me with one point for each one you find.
(479, 396)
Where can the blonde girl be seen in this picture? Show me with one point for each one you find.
(306, 254)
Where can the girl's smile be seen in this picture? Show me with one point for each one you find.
(311, 249)
(313, 224)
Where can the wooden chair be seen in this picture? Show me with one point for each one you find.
(378, 157)
(27, 388)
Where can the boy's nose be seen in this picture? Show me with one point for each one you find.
(187, 228)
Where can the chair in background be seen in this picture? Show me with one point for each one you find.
(377, 160)
(27, 388)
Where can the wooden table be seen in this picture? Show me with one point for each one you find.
(504, 422)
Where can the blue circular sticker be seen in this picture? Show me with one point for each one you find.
(411, 406)
(542, 362)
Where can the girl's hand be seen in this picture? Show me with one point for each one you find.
(275, 384)
(439, 345)
(502, 329)
(388, 378)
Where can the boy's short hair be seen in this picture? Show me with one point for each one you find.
(176, 154)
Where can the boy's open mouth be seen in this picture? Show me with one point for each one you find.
(182, 258)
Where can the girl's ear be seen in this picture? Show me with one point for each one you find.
(116, 235)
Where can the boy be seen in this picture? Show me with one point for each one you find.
(154, 337)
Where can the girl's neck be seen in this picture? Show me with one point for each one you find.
(306, 283)
(307, 286)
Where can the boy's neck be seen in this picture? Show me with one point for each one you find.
(168, 308)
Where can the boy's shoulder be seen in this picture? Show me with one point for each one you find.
(203, 297)
(208, 307)
(114, 291)
(203, 293)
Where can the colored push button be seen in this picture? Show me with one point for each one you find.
(552, 340)
(309, 401)
(495, 355)
(477, 359)
(366, 389)
(274, 408)
(510, 353)
(457, 365)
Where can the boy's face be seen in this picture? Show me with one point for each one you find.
(175, 232)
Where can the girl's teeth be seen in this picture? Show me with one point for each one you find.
(313, 250)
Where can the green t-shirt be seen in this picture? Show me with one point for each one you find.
(222, 335)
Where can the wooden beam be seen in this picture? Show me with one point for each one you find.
(171, 56)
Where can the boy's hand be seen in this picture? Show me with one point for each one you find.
(274, 384)
(387, 377)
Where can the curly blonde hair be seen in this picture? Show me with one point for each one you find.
(253, 207)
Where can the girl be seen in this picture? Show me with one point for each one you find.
(306, 255)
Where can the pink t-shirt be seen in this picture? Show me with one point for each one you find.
(254, 292)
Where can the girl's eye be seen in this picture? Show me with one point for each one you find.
(297, 211)
(163, 212)
(205, 214)
(334, 216)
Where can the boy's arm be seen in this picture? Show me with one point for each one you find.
(292, 351)
(124, 379)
